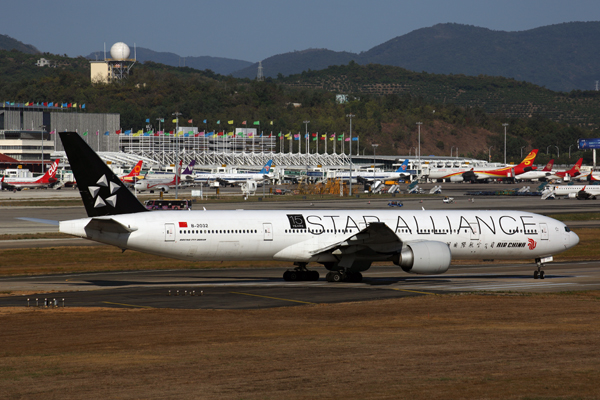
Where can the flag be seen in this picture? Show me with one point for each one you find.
(118, 131)
(347, 139)
(127, 132)
(85, 133)
(271, 123)
(83, 106)
(147, 120)
(340, 139)
(323, 137)
(51, 104)
(355, 139)
(331, 138)
(230, 122)
(204, 121)
(314, 139)
(69, 105)
(287, 135)
(279, 134)
(147, 133)
(174, 121)
(160, 133)
(106, 133)
(219, 122)
(97, 133)
(190, 121)
(313, 134)
(53, 131)
(306, 136)
(258, 123)
(74, 105)
(244, 123)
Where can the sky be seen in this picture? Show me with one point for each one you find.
(253, 30)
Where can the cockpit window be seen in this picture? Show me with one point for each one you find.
(567, 229)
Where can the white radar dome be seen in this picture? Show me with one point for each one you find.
(119, 51)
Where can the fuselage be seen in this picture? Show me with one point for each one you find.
(299, 235)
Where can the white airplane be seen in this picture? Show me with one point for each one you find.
(537, 173)
(21, 183)
(233, 178)
(161, 184)
(363, 176)
(579, 192)
(346, 242)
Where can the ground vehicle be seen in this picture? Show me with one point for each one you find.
(448, 199)
(168, 204)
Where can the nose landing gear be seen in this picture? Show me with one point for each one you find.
(538, 273)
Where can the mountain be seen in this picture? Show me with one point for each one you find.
(8, 43)
(223, 66)
(559, 57)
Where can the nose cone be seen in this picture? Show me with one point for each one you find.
(572, 240)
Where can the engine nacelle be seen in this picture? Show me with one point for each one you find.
(573, 195)
(456, 178)
(425, 258)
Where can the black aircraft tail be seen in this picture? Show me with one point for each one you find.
(101, 190)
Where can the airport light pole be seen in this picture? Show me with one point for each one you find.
(547, 149)
(43, 128)
(504, 125)
(570, 151)
(419, 156)
(177, 114)
(557, 152)
(350, 116)
(490, 154)
(305, 133)
(374, 149)
(452, 148)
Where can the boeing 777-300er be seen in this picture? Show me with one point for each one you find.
(571, 173)
(367, 177)
(44, 181)
(233, 178)
(161, 184)
(132, 176)
(473, 175)
(537, 173)
(346, 242)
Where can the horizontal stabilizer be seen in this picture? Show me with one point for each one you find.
(109, 225)
(40, 221)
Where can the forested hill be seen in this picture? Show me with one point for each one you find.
(560, 57)
(495, 95)
(8, 43)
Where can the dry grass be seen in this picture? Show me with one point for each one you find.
(468, 346)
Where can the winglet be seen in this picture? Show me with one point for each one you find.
(101, 190)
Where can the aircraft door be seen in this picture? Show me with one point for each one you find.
(169, 232)
(544, 231)
(268, 230)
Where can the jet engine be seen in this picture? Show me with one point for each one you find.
(424, 258)
(456, 178)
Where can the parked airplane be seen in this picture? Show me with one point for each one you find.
(538, 173)
(368, 177)
(579, 192)
(571, 173)
(473, 175)
(233, 178)
(132, 176)
(346, 242)
(44, 181)
(162, 184)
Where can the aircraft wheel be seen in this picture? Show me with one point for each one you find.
(293, 275)
(286, 276)
(329, 277)
(336, 277)
(535, 274)
(313, 276)
(542, 274)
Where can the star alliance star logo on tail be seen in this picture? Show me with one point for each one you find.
(531, 243)
(95, 190)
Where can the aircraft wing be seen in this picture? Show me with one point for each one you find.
(377, 236)
(223, 181)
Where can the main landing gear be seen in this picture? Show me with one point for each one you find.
(300, 273)
(539, 273)
(344, 276)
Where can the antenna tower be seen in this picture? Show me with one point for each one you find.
(259, 76)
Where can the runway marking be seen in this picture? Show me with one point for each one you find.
(413, 291)
(128, 305)
(273, 298)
